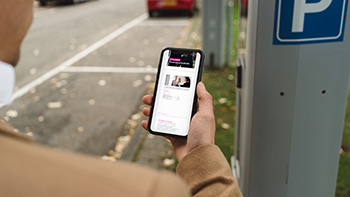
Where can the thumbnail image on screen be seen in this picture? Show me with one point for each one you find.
(182, 59)
(178, 81)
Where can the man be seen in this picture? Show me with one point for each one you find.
(187, 83)
(179, 83)
(27, 169)
(174, 82)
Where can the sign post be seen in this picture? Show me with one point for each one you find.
(213, 32)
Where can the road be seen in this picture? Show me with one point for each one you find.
(84, 69)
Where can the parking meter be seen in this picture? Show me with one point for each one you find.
(292, 97)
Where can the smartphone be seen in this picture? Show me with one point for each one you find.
(174, 99)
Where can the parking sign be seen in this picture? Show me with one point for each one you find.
(309, 21)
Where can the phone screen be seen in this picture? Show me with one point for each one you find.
(175, 92)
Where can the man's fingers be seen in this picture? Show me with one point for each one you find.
(147, 99)
(205, 100)
(144, 124)
(146, 111)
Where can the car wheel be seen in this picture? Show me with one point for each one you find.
(153, 13)
(75, 1)
(42, 3)
(191, 13)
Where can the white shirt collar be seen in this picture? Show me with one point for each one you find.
(7, 82)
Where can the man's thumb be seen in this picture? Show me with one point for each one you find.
(205, 100)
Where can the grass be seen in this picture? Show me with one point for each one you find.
(343, 182)
(220, 83)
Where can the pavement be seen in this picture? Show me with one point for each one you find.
(83, 71)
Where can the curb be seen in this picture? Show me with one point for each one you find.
(135, 142)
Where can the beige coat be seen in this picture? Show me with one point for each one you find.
(27, 169)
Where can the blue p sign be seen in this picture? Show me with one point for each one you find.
(309, 21)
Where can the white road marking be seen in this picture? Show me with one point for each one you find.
(25, 89)
(110, 70)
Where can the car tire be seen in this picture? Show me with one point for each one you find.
(42, 2)
(153, 14)
(75, 1)
(191, 13)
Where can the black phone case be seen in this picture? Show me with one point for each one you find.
(194, 108)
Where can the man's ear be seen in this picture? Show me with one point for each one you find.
(16, 17)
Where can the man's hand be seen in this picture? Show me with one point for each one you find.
(202, 127)
(15, 19)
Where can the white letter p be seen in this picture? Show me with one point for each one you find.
(301, 8)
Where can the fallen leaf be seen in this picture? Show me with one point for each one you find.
(108, 158)
(41, 119)
(231, 77)
(36, 98)
(136, 116)
(36, 52)
(64, 75)
(54, 105)
(102, 82)
(223, 109)
(131, 59)
(80, 129)
(63, 91)
(92, 102)
(29, 134)
(225, 126)
(12, 113)
(141, 63)
(58, 84)
(137, 83)
(53, 80)
(222, 100)
(168, 162)
(32, 71)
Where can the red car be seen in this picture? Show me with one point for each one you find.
(155, 6)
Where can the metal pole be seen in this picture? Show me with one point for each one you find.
(213, 32)
(229, 32)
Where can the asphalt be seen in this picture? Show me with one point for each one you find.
(74, 96)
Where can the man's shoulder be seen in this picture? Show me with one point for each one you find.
(49, 170)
